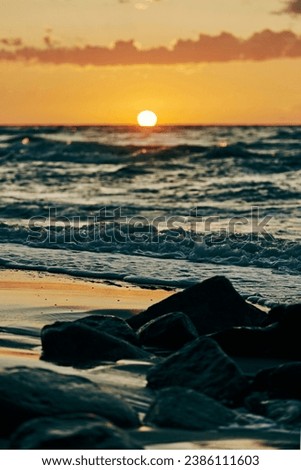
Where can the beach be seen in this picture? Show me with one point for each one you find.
(50, 293)
(30, 300)
(150, 230)
(150, 287)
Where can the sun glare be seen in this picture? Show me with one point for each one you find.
(147, 119)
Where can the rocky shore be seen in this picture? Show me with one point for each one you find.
(185, 354)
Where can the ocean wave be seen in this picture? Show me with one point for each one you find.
(289, 133)
(222, 248)
(217, 171)
(264, 287)
(45, 145)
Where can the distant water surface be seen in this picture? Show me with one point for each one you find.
(168, 206)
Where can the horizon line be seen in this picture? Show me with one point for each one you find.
(149, 129)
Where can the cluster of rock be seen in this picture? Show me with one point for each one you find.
(42, 409)
(188, 338)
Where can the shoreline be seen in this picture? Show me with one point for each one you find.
(30, 300)
(48, 292)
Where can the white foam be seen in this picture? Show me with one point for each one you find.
(263, 286)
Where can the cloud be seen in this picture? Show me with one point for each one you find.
(265, 45)
(292, 7)
(11, 42)
(48, 40)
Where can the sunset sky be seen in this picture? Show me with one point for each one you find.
(192, 61)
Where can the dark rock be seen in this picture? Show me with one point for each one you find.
(178, 407)
(201, 366)
(170, 331)
(4, 443)
(280, 382)
(287, 315)
(212, 305)
(82, 345)
(280, 339)
(71, 432)
(286, 412)
(253, 402)
(111, 325)
(250, 342)
(27, 393)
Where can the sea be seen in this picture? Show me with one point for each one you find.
(160, 207)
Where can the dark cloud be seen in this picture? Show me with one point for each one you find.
(11, 42)
(293, 7)
(48, 40)
(225, 47)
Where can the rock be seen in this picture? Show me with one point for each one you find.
(111, 325)
(287, 315)
(201, 366)
(27, 393)
(178, 407)
(251, 342)
(280, 382)
(170, 331)
(212, 305)
(71, 432)
(278, 340)
(286, 412)
(82, 345)
(4, 443)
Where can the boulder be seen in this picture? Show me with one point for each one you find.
(287, 315)
(283, 381)
(285, 412)
(280, 339)
(201, 366)
(249, 342)
(4, 443)
(211, 305)
(178, 407)
(84, 431)
(111, 325)
(82, 345)
(170, 331)
(27, 393)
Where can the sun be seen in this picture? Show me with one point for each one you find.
(147, 118)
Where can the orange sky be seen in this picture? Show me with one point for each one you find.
(55, 72)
